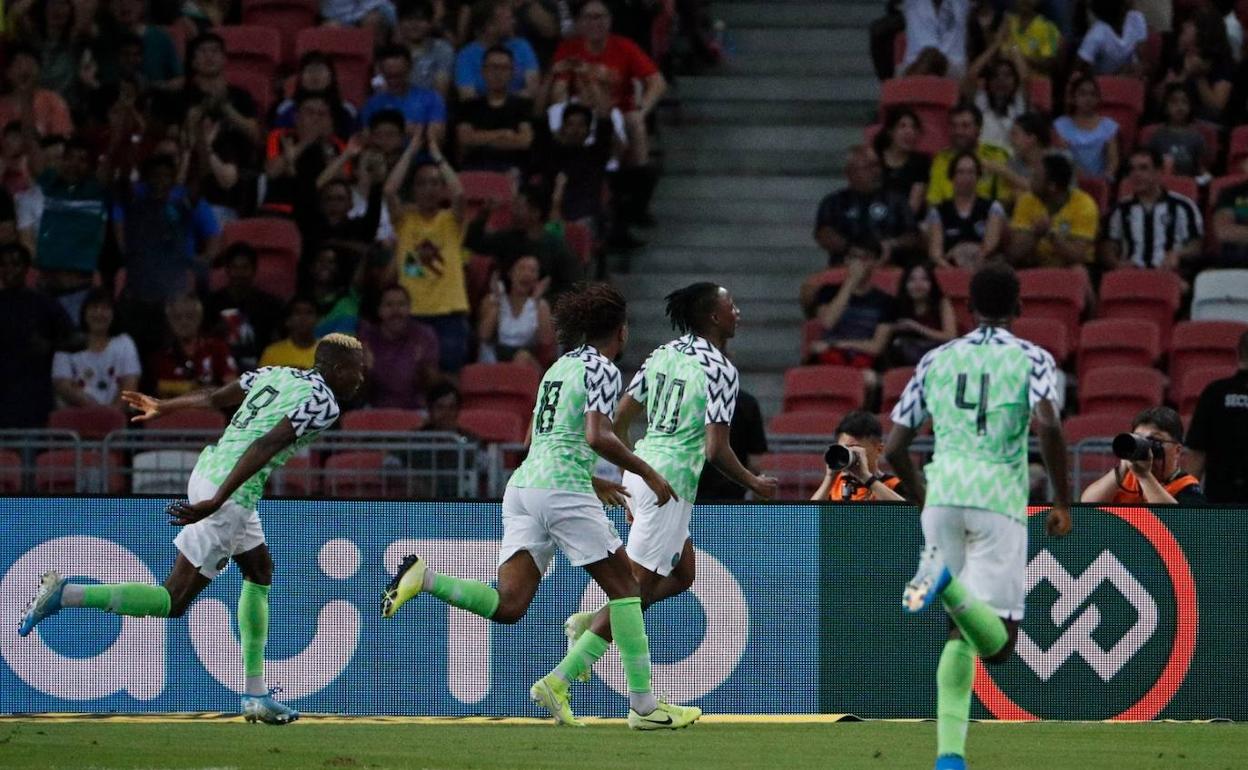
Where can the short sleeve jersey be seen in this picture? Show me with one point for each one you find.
(685, 385)
(979, 391)
(581, 381)
(1079, 217)
(273, 393)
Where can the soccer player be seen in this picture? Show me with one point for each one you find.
(282, 410)
(981, 391)
(551, 503)
(690, 390)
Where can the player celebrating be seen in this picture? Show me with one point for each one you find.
(980, 390)
(282, 411)
(550, 502)
(690, 388)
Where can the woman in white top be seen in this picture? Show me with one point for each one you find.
(107, 365)
(515, 321)
(1113, 45)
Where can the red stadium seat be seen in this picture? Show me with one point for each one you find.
(383, 420)
(506, 387)
(1047, 333)
(178, 35)
(1125, 390)
(1194, 381)
(1197, 344)
(10, 472)
(1152, 295)
(188, 419)
(300, 476)
(812, 330)
(930, 97)
(350, 49)
(798, 475)
(886, 279)
(580, 241)
(253, 49)
(955, 282)
(1055, 293)
(1122, 98)
(92, 423)
(1040, 94)
(1097, 188)
(1183, 185)
(895, 381)
(57, 473)
(493, 426)
(277, 243)
(899, 48)
(288, 17)
(1085, 426)
(815, 423)
(1237, 153)
(836, 389)
(360, 474)
(258, 87)
(1118, 342)
(480, 186)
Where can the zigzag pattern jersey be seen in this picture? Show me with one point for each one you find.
(273, 393)
(581, 381)
(685, 385)
(979, 391)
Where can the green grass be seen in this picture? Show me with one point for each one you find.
(846, 746)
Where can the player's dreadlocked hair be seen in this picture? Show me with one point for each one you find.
(334, 348)
(690, 308)
(591, 311)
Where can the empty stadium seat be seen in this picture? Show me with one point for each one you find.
(1055, 293)
(10, 472)
(893, 385)
(1048, 333)
(886, 279)
(253, 49)
(1196, 344)
(836, 389)
(1153, 295)
(1221, 295)
(810, 423)
(258, 87)
(63, 472)
(92, 423)
(1118, 342)
(493, 426)
(1085, 426)
(1123, 390)
(277, 244)
(1097, 188)
(383, 420)
(350, 49)
(300, 476)
(798, 474)
(1122, 98)
(360, 474)
(1194, 381)
(287, 17)
(507, 387)
(931, 97)
(955, 282)
(187, 419)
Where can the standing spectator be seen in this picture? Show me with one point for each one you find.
(161, 65)
(966, 123)
(1091, 137)
(905, 169)
(191, 360)
(515, 322)
(1201, 61)
(402, 354)
(581, 159)
(296, 157)
(1158, 480)
(1115, 42)
(105, 366)
(246, 317)
(1181, 145)
(529, 234)
(377, 16)
(34, 326)
(864, 211)
(495, 24)
(316, 77)
(298, 348)
(936, 32)
(421, 108)
(748, 438)
(1054, 225)
(432, 57)
(1033, 36)
(1215, 440)
(924, 317)
(495, 130)
(429, 253)
(861, 481)
(996, 84)
(856, 316)
(208, 96)
(333, 220)
(1155, 227)
(40, 110)
(966, 229)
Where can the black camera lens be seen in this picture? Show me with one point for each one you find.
(1129, 446)
(837, 457)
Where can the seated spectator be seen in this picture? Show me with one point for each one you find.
(191, 360)
(336, 294)
(923, 316)
(856, 316)
(1115, 42)
(515, 323)
(1033, 36)
(161, 64)
(429, 252)
(246, 317)
(316, 77)
(1181, 145)
(106, 365)
(208, 95)
(495, 130)
(1202, 62)
(332, 221)
(1154, 227)
(1029, 141)
(444, 404)
(865, 211)
(905, 169)
(966, 229)
(378, 16)
(495, 24)
(432, 57)
(936, 32)
(1054, 225)
(437, 469)
(1230, 225)
(387, 134)
(402, 354)
(422, 108)
(528, 234)
(34, 327)
(861, 481)
(965, 124)
(1156, 481)
(298, 349)
(579, 151)
(1091, 137)
(41, 110)
(1215, 440)
(996, 85)
(52, 30)
(297, 156)
(748, 438)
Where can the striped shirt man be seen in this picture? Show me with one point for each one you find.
(1146, 232)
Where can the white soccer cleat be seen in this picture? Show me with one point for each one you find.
(45, 603)
(574, 628)
(929, 580)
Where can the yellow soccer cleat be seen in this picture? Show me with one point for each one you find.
(665, 716)
(407, 583)
(555, 700)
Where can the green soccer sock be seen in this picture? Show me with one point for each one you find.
(253, 633)
(138, 600)
(954, 677)
(472, 595)
(582, 657)
(629, 631)
(980, 625)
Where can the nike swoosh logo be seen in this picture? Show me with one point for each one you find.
(667, 720)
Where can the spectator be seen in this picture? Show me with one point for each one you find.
(296, 157)
(538, 21)
(1091, 137)
(1115, 42)
(432, 57)
(1181, 145)
(336, 294)
(1156, 481)
(966, 229)
(377, 16)
(34, 326)
(1036, 39)
(421, 108)
(924, 317)
(1201, 61)
(856, 316)
(1215, 440)
(515, 322)
(861, 481)
(429, 253)
(581, 159)
(40, 110)
(1054, 225)
(495, 130)
(14, 159)
(495, 24)
(748, 439)
(50, 28)
(444, 404)
(246, 317)
(332, 221)
(208, 96)
(864, 211)
(1230, 225)
(317, 77)
(995, 84)
(528, 235)
(161, 65)
(387, 134)
(107, 364)
(191, 360)
(402, 353)
(1029, 140)
(298, 349)
(1154, 227)
(985, 27)
(1233, 27)
(905, 169)
(936, 33)
(965, 125)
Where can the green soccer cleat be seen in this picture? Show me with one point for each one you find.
(666, 716)
(574, 628)
(408, 582)
(555, 701)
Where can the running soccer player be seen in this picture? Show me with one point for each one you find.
(690, 388)
(551, 503)
(981, 391)
(282, 410)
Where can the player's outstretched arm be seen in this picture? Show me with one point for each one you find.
(719, 452)
(625, 413)
(897, 450)
(600, 435)
(258, 455)
(148, 408)
(1053, 449)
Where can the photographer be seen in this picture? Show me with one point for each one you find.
(854, 463)
(1148, 471)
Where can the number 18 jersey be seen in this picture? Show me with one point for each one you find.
(979, 391)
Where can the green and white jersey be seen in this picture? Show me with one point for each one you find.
(685, 385)
(581, 381)
(273, 393)
(979, 391)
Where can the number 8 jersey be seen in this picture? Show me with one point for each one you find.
(581, 381)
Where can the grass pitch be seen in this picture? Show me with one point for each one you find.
(42, 743)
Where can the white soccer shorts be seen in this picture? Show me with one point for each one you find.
(541, 520)
(209, 543)
(986, 551)
(658, 533)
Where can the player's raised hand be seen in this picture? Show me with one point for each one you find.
(662, 490)
(146, 406)
(1057, 523)
(184, 512)
(764, 487)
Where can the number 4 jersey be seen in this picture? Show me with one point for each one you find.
(685, 385)
(273, 393)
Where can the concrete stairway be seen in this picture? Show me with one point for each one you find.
(748, 154)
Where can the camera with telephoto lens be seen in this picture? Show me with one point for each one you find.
(1129, 446)
(838, 458)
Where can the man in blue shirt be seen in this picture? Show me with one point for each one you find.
(419, 106)
(496, 25)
